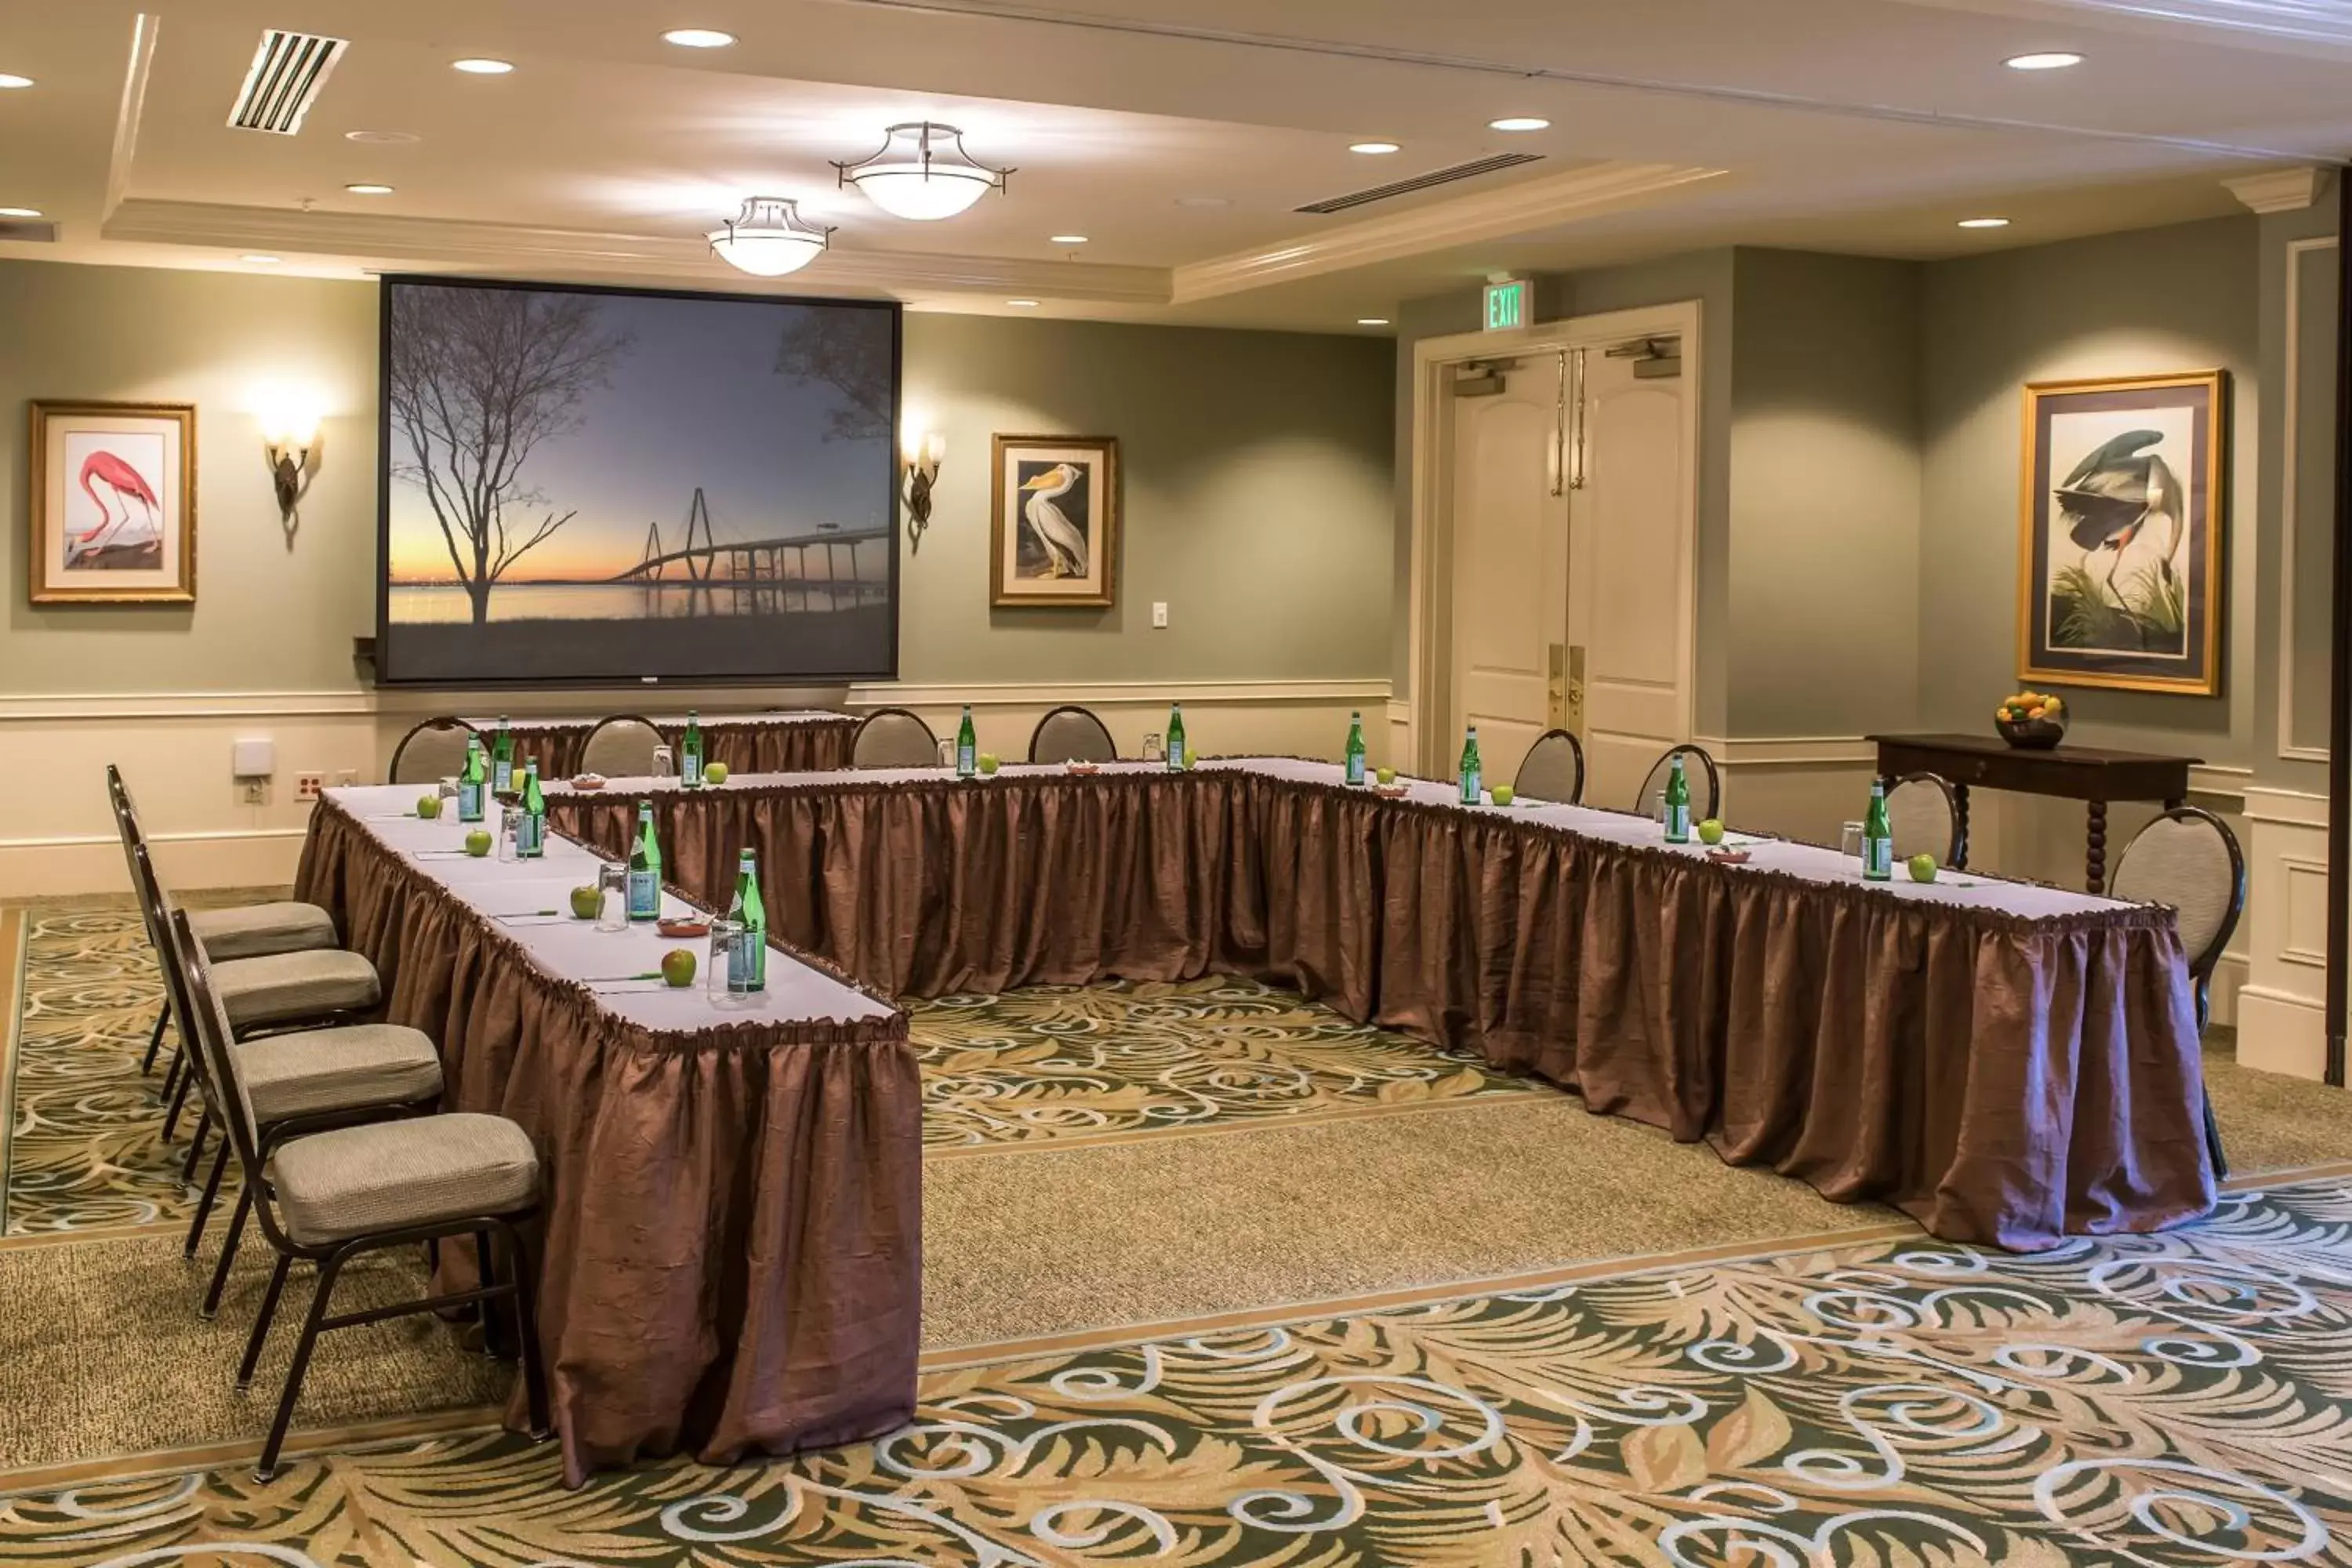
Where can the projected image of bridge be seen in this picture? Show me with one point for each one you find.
(814, 570)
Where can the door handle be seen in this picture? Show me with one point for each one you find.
(1574, 696)
(1555, 688)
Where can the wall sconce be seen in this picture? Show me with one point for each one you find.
(922, 453)
(289, 440)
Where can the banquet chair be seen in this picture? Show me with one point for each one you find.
(1707, 789)
(244, 930)
(894, 738)
(2189, 858)
(1072, 734)
(305, 1079)
(432, 751)
(1926, 818)
(621, 747)
(1553, 769)
(327, 1197)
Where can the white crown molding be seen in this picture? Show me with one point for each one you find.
(1515, 209)
(2280, 190)
(450, 242)
(2283, 26)
(132, 105)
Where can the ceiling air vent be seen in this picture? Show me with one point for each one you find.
(288, 70)
(1470, 170)
(28, 231)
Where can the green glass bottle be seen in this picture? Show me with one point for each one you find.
(1355, 748)
(1877, 837)
(967, 746)
(530, 832)
(1678, 821)
(502, 779)
(1474, 773)
(747, 955)
(689, 752)
(472, 783)
(645, 867)
(1175, 737)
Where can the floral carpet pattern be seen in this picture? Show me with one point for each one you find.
(1058, 1062)
(2182, 1398)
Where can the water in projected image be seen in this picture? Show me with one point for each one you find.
(588, 485)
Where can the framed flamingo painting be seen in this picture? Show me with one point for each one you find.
(1054, 528)
(114, 504)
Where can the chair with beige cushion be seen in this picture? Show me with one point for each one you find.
(327, 1197)
(1072, 734)
(1698, 772)
(2189, 858)
(621, 747)
(1925, 819)
(1553, 769)
(894, 738)
(432, 751)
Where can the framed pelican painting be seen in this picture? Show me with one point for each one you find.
(1053, 530)
(2119, 572)
(114, 504)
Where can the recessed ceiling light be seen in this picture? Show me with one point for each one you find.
(480, 67)
(369, 190)
(1204, 201)
(2047, 61)
(1984, 223)
(381, 137)
(698, 38)
(7, 82)
(1372, 320)
(1518, 123)
(259, 260)
(1024, 304)
(1069, 239)
(20, 212)
(1371, 146)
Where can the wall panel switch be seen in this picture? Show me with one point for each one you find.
(1160, 612)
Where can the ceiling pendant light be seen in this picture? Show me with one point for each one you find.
(769, 238)
(923, 173)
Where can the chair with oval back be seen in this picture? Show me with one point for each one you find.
(432, 751)
(1926, 818)
(2189, 858)
(1072, 734)
(1707, 789)
(1553, 769)
(894, 738)
(621, 747)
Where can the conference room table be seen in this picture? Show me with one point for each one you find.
(2006, 1062)
(732, 1259)
(788, 742)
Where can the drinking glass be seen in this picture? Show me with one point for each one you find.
(1849, 840)
(947, 750)
(612, 896)
(724, 933)
(1658, 806)
(1155, 750)
(665, 762)
(510, 821)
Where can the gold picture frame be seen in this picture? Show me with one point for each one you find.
(2122, 506)
(1053, 533)
(113, 504)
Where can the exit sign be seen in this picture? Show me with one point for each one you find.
(1507, 304)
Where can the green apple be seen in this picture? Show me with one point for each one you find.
(714, 773)
(1386, 775)
(678, 966)
(1710, 831)
(478, 843)
(586, 903)
(987, 762)
(428, 806)
(1192, 758)
(1501, 794)
(1923, 868)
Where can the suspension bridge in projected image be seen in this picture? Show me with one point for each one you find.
(761, 576)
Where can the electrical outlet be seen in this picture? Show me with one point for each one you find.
(345, 778)
(1159, 614)
(257, 792)
(307, 785)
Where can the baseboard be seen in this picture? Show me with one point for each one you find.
(2281, 1033)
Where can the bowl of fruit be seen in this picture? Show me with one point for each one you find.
(2032, 721)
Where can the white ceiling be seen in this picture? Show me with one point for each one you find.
(1856, 125)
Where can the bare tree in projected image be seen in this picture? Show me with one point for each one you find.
(475, 379)
(849, 352)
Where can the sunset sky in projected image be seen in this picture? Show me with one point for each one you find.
(694, 399)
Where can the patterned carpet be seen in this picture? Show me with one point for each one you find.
(2184, 1398)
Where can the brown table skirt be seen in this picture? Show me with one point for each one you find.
(2003, 1080)
(732, 1259)
(803, 746)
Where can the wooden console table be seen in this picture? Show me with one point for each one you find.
(2069, 773)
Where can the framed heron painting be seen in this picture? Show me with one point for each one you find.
(2119, 569)
(113, 504)
(1054, 529)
